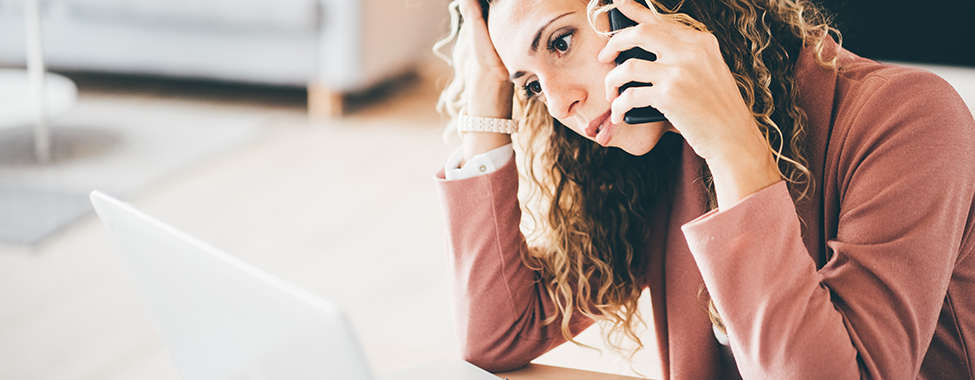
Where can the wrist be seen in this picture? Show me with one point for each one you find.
(740, 175)
(482, 142)
(490, 98)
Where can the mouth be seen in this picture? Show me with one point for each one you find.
(597, 125)
(600, 129)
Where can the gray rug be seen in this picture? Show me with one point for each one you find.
(120, 147)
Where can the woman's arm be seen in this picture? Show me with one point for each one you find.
(499, 303)
(905, 179)
(489, 91)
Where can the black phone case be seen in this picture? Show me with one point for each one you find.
(618, 21)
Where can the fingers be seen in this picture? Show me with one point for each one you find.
(654, 32)
(471, 10)
(633, 97)
(659, 39)
(486, 59)
(633, 70)
(656, 74)
(622, 41)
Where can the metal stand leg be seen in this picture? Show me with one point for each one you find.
(35, 73)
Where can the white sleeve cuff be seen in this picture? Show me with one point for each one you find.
(480, 164)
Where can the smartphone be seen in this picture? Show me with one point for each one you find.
(637, 115)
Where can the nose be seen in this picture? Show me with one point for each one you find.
(564, 96)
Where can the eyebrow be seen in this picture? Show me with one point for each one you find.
(536, 40)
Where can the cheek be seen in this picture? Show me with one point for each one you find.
(589, 69)
(594, 43)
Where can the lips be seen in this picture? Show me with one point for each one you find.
(597, 124)
(600, 129)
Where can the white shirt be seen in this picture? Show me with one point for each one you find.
(480, 164)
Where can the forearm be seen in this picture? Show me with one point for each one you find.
(499, 304)
(747, 167)
(492, 99)
(869, 312)
(779, 316)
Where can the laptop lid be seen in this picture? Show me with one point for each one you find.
(221, 318)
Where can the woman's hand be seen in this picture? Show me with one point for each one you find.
(487, 65)
(489, 90)
(694, 88)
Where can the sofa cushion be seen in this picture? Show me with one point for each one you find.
(263, 15)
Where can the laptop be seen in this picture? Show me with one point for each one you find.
(221, 318)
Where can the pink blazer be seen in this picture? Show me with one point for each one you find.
(870, 277)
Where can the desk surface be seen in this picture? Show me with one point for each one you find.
(545, 372)
(388, 358)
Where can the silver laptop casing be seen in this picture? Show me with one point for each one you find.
(221, 318)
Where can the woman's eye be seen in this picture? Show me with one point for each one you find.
(533, 88)
(562, 43)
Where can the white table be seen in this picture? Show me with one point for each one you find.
(388, 358)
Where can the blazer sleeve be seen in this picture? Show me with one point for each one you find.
(499, 302)
(905, 179)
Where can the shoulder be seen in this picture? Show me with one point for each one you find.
(878, 102)
(895, 124)
(893, 91)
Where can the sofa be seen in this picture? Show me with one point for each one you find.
(331, 47)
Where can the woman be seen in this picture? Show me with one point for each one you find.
(820, 205)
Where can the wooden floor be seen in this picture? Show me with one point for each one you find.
(345, 209)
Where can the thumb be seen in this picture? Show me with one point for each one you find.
(471, 10)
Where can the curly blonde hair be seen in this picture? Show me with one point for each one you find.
(590, 206)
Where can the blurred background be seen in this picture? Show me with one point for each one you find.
(934, 32)
(297, 135)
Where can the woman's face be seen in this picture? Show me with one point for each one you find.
(550, 49)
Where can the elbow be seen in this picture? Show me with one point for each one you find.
(493, 360)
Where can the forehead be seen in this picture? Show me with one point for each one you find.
(505, 16)
(513, 24)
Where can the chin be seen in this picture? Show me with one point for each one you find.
(636, 151)
(639, 147)
(645, 141)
